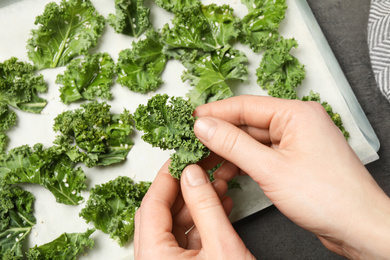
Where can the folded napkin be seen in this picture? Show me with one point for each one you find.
(379, 43)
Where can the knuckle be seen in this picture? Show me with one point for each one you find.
(229, 142)
(206, 202)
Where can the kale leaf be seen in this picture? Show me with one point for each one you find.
(19, 87)
(111, 207)
(131, 17)
(279, 71)
(202, 27)
(87, 78)
(66, 247)
(53, 168)
(209, 73)
(140, 68)
(16, 220)
(105, 137)
(261, 24)
(7, 120)
(176, 6)
(168, 123)
(65, 31)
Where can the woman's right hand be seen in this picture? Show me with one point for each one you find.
(304, 165)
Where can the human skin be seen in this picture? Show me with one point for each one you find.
(300, 159)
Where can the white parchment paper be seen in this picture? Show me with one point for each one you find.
(143, 162)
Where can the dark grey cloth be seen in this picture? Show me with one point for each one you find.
(379, 43)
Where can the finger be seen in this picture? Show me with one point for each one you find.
(210, 161)
(194, 240)
(182, 219)
(261, 135)
(244, 110)
(158, 202)
(207, 211)
(227, 171)
(136, 232)
(237, 147)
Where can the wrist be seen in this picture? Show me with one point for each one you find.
(369, 232)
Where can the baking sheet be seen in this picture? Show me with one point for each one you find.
(323, 76)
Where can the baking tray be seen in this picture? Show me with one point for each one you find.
(324, 76)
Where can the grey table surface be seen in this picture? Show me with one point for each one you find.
(269, 234)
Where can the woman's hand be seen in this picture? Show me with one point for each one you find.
(187, 220)
(301, 160)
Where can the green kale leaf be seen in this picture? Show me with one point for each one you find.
(7, 120)
(87, 78)
(65, 31)
(177, 6)
(168, 123)
(16, 220)
(209, 73)
(51, 168)
(131, 17)
(19, 87)
(261, 24)
(66, 247)
(279, 71)
(105, 137)
(202, 27)
(111, 207)
(336, 118)
(140, 68)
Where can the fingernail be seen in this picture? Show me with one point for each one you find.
(205, 128)
(195, 176)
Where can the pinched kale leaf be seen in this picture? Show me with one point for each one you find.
(168, 123)
(202, 27)
(140, 67)
(54, 168)
(261, 24)
(279, 71)
(176, 6)
(131, 17)
(66, 247)
(19, 86)
(16, 220)
(111, 207)
(87, 78)
(65, 31)
(105, 137)
(209, 73)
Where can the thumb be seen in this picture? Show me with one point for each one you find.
(238, 147)
(207, 212)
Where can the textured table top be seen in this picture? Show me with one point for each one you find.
(269, 234)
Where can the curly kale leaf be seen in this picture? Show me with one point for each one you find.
(279, 71)
(202, 27)
(177, 6)
(16, 220)
(131, 17)
(7, 120)
(52, 168)
(336, 118)
(111, 207)
(87, 78)
(140, 68)
(168, 123)
(66, 247)
(261, 24)
(105, 137)
(209, 73)
(65, 31)
(19, 87)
